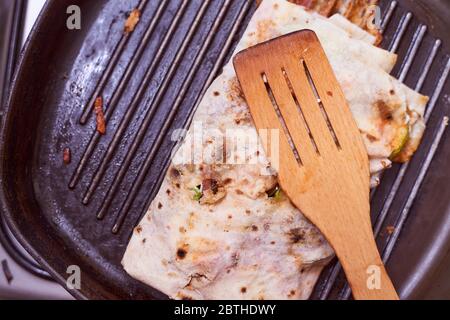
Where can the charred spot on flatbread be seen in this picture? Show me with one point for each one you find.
(385, 110)
(235, 94)
(181, 253)
(243, 117)
(296, 235)
(227, 181)
(174, 173)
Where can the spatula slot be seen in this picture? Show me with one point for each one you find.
(320, 103)
(281, 119)
(299, 109)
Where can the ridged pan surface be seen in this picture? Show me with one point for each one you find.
(151, 80)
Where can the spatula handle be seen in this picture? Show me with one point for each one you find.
(365, 270)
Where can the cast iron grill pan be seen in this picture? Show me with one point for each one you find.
(151, 82)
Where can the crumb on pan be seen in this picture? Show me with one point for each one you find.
(66, 156)
(390, 229)
(100, 116)
(132, 20)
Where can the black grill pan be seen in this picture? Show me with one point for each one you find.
(151, 81)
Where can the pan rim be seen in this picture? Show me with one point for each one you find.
(5, 205)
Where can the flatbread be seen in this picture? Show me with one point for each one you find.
(353, 30)
(282, 21)
(360, 13)
(230, 239)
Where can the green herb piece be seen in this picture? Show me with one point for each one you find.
(275, 192)
(198, 194)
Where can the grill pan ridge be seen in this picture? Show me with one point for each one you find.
(152, 81)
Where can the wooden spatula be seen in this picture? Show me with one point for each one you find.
(323, 164)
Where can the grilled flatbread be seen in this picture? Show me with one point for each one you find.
(219, 228)
(360, 13)
(353, 30)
